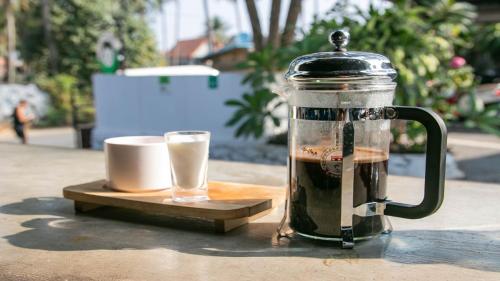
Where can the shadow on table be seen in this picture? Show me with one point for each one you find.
(65, 231)
(481, 169)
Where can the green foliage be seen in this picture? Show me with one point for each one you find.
(60, 88)
(139, 41)
(75, 28)
(477, 115)
(485, 52)
(3, 33)
(219, 29)
(251, 113)
(264, 65)
(420, 41)
(256, 108)
(54, 117)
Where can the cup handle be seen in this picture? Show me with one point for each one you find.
(435, 162)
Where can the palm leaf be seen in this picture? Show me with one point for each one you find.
(237, 116)
(234, 102)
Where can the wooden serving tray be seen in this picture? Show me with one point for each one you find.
(230, 205)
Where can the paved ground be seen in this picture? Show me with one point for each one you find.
(478, 155)
(59, 137)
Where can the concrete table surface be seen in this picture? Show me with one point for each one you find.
(42, 239)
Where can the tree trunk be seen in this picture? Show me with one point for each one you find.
(274, 24)
(176, 56)
(163, 29)
(291, 22)
(209, 27)
(49, 40)
(237, 16)
(11, 41)
(255, 22)
(316, 8)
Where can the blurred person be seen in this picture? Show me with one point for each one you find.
(21, 118)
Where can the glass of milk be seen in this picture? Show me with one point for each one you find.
(188, 151)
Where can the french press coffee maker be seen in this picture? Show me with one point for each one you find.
(340, 107)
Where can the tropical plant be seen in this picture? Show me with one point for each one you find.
(252, 112)
(415, 39)
(255, 109)
(264, 65)
(219, 29)
(420, 40)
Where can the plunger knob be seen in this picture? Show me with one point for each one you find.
(340, 39)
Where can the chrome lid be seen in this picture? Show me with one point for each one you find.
(341, 64)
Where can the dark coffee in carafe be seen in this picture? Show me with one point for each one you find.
(315, 190)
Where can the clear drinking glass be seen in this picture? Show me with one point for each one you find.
(188, 151)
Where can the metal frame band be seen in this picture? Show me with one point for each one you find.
(337, 114)
(370, 209)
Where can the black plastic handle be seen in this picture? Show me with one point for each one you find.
(435, 162)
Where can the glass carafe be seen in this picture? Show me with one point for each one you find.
(340, 106)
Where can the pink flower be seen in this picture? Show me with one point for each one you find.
(457, 62)
(452, 100)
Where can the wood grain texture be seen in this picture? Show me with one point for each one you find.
(230, 204)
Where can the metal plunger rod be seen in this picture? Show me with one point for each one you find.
(347, 187)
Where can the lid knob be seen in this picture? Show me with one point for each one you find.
(340, 38)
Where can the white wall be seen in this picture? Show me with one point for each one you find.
(11, 94)
(143, 106)
(201, 51)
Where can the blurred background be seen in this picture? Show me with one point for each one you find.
(92, 69)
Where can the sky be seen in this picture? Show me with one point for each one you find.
(192, 17)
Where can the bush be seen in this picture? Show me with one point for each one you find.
(422, 42)
(256, 107)
(61, 88)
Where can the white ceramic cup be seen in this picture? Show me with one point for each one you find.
(137, 163)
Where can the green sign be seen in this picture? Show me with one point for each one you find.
(164, 80)
(213, 82)
(109, 61)
(107, 51)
